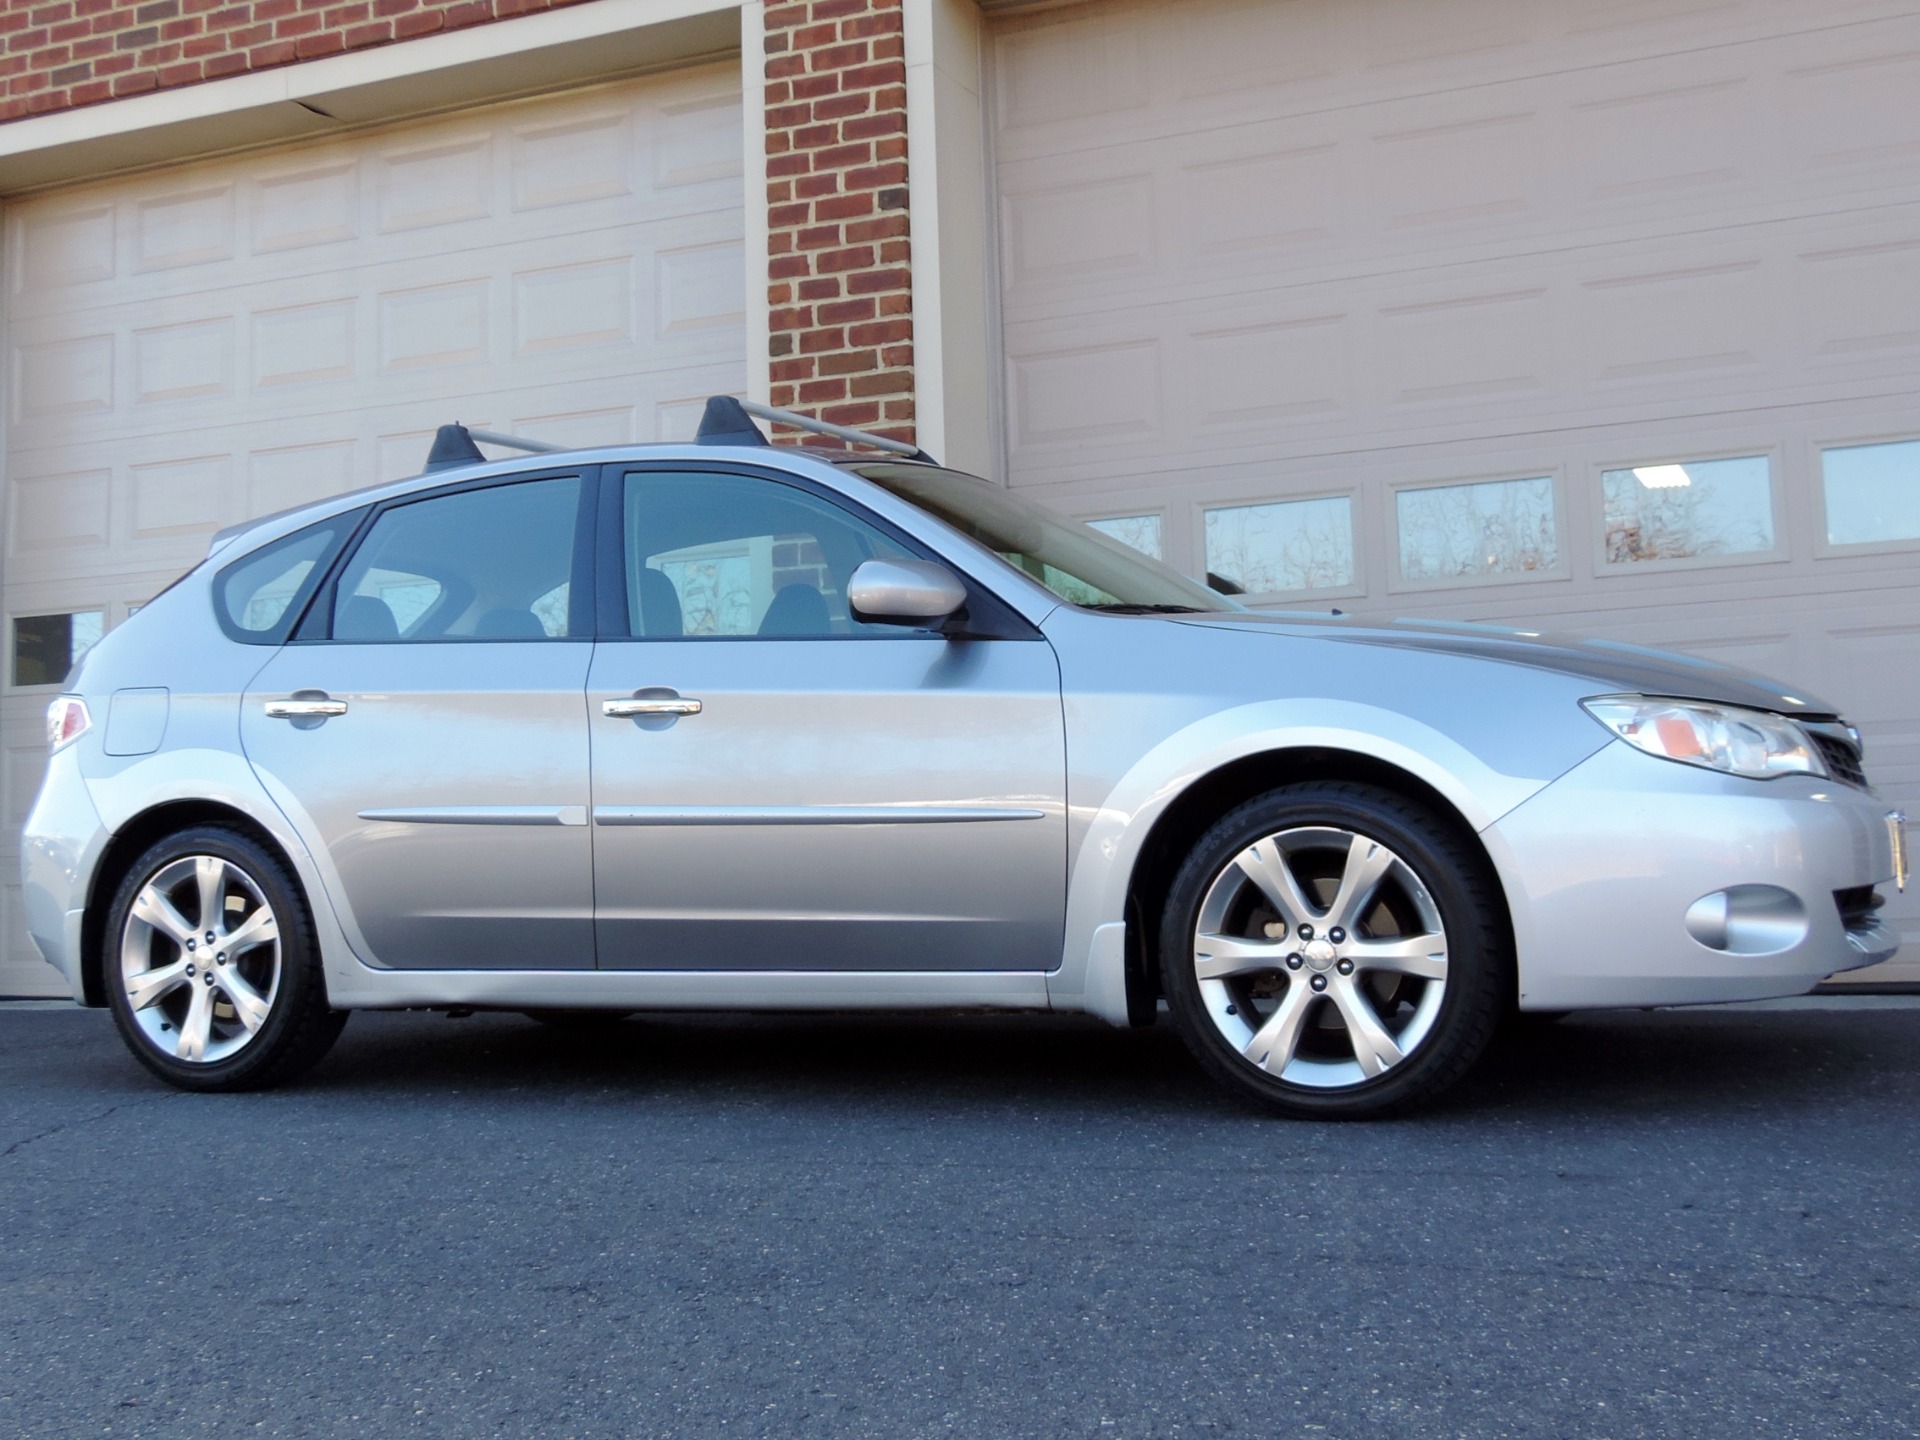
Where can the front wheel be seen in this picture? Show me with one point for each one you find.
(213, 974)
(1334, 950)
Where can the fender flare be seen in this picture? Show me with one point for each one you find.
(1092, 974)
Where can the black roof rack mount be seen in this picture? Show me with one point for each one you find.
(454, 445)
(728, 421)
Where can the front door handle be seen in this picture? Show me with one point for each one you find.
(305, 707)
(643, 705)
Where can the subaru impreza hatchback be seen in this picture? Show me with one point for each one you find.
(727, 725)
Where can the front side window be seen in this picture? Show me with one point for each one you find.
(710, 555)
(488, 564)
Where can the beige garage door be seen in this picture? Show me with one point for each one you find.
(1600, 316)
(192, 346)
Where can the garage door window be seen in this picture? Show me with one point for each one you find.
(1469, 532)
(1872, 492)
(1141, 532)
(1696, 510)
(1289, 545)
(46, 647)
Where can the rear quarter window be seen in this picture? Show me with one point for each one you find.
(259, 598)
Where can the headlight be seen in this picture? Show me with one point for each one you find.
(1716, 737)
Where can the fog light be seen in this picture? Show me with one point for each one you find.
(1748, 920)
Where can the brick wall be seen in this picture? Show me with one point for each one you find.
(56, 54)
(841, 329)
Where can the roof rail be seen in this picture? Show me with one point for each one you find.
(453, 445)
(726, 422)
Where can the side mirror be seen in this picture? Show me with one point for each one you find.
(904, 592)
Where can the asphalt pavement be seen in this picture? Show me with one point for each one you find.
(1671, 1224)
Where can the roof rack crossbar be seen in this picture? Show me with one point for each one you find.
(515, 442)
(839, 432)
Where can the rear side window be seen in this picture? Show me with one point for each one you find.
(259, 598)
(489, 564)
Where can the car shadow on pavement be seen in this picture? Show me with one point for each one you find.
(1704, 1063)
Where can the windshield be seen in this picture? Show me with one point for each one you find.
(1074, 561)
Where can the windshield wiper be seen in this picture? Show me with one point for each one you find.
(1117, 608)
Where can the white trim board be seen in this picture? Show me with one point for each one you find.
(555, 48)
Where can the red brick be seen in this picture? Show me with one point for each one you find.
(834, 9)
(839, 107)
(880, 332)
(313, 46)
(840, 157)
(842, 312)
(820, 287)
(822, 392)
(859, 416)
(840, 57)
(791, 370)
(377, 33)
(842, 207)
(789, 267)
(814, 186)
(874, 177)
(780, 217)
(883, 227)
(817, 237)
(872, 282)
(863, 27)
(849, 362)
(812, 87)
(418, 22)
(830, 262)
(870, 77)
(812, 342)
(880, 383)
(275, 52)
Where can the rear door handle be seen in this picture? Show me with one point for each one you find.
(649, 705)
(304, 708)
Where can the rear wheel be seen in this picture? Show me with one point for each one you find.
(214, 977)
(1334, 950)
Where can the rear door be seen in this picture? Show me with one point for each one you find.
(426, 732)
(846, 796)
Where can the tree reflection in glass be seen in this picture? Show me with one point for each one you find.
(1682, 512)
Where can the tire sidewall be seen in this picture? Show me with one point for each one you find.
(299, 974)
(1476, 947)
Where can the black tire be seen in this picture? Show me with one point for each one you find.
(578, 1020)
(1455, 1027)
(300, 1026)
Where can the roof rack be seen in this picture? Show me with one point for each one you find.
(728, 421)
(454, 445)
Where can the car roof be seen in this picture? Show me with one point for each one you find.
(778, 456)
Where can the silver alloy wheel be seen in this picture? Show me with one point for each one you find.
(1321, 956)
(200, 988)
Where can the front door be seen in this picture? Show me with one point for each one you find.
(430, 743)
(845, 796)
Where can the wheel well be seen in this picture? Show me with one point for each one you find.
(127, 845)
(1202, 803)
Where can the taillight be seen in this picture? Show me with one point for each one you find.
(67, 721)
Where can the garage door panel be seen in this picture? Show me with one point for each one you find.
(188, 347)
(1479, 242)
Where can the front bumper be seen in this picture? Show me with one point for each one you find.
(59, 848)
(1604, 865)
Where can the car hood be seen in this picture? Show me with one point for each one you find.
(1611, 664)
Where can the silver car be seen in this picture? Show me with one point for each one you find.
(727, 725)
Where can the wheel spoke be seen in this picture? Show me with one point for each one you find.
(1422, 956)
(1219, 957)
(197, 1028)
(248, 1003)
(1367, 864)
(1273, 1044)
(210, 876)
(259, 928)
(1373, 1047)
(1266, 866)
(150, 907)
(149, 985)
